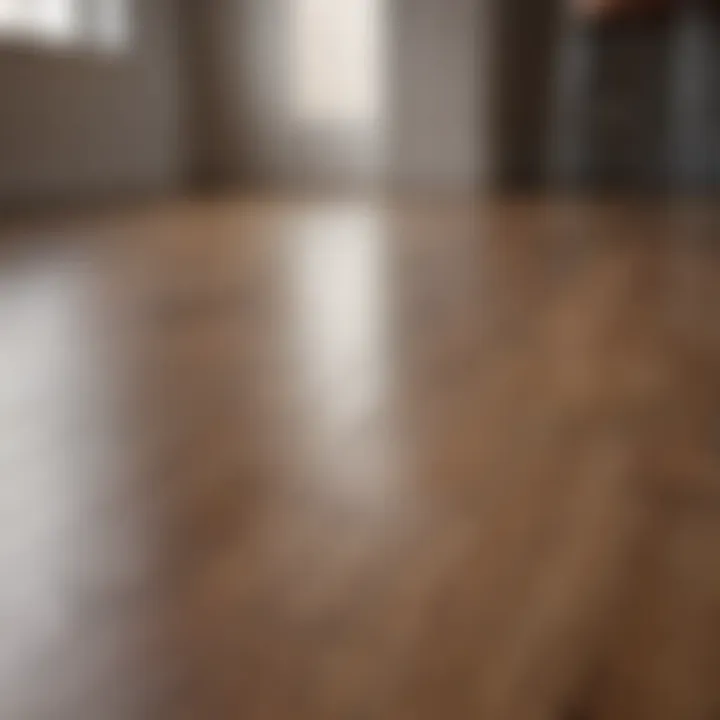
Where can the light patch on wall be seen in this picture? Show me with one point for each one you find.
(104, 24)
(46, 20)
(338, 63)
(111, 23)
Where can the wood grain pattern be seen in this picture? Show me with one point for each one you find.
(277, 459)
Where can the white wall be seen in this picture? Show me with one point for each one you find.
(82, 125)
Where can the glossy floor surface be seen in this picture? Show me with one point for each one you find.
(353, 461)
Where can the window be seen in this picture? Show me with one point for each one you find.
(338, 46)
(99, 23)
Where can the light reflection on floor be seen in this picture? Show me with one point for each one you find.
(339, 275)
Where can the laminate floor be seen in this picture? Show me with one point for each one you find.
(311, 460)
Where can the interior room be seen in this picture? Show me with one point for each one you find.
(364, 357)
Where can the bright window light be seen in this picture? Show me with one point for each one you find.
(56, 19)
(338, 46)
(11, 14)
(102, 23)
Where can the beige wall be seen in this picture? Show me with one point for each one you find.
(240, 79)
(236, 70)
(76, 126)
(437, 81)
(468, 98)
